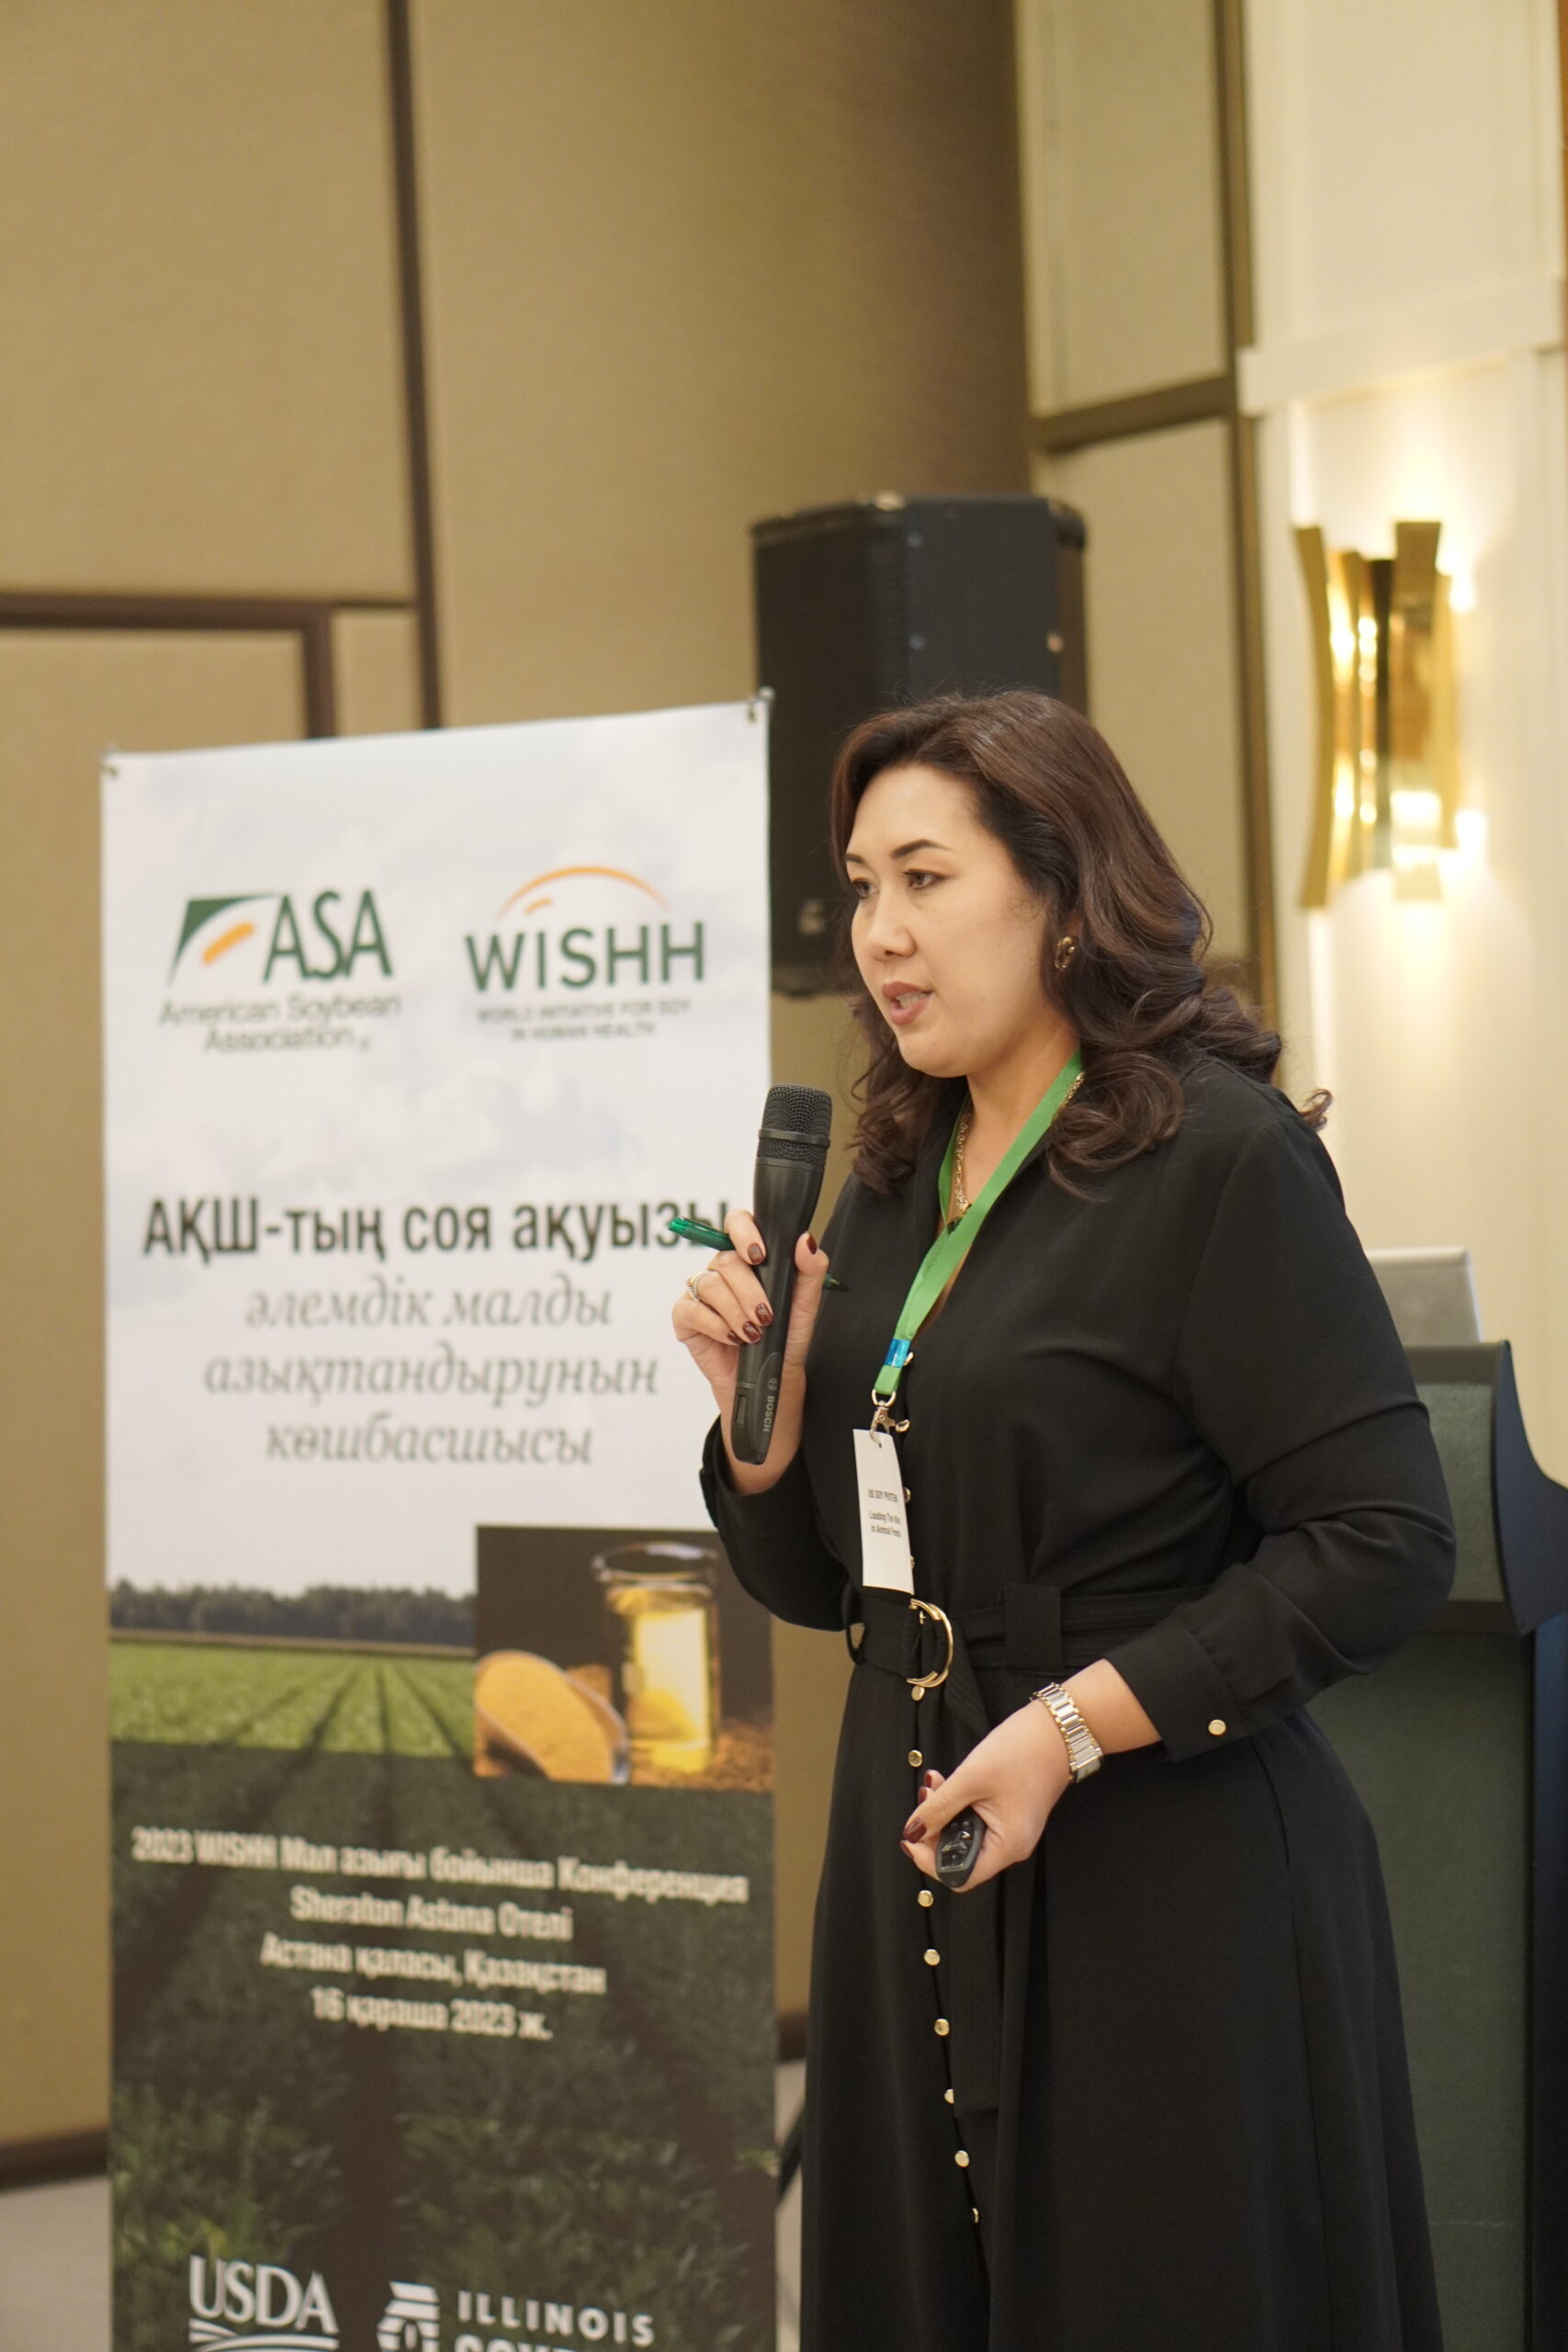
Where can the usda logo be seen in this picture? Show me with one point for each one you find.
(260, 2307)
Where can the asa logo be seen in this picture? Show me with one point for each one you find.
(259, 2307)
(602, 933)
(317, 940)
(411, 2321)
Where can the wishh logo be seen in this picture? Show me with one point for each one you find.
(601, 935)
(411, 2321)
(259, 2307)
(319, 942)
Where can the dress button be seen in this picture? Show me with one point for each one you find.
(1218, 1727)
(974, 2212)
(948, 2097)
(915, 1755)
(961, 2159)
(925, 1899)
(933, 1956)
(943, 2025)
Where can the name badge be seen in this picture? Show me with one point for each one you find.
(884, 1525)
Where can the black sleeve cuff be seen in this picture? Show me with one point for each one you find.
(1179, 1688)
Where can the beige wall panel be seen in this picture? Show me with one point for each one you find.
(200, 383)
(375, 669)
(1401, 155)
(1117, 121)
(63, 698)
(814, 1044)
(1162, 644)
(686, 265)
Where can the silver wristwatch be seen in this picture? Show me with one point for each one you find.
(1084, 1751)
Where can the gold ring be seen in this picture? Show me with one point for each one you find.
(691, 1291)
(928, 1613)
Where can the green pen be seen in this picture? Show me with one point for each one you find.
(708, 1236)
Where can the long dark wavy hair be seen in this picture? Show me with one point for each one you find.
(1049, 787)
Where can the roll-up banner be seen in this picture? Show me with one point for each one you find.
(442, 1733)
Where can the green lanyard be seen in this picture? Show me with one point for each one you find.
(951, 1248)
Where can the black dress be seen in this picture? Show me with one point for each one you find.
(1171, 1425)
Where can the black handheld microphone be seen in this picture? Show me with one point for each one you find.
(792, 1152)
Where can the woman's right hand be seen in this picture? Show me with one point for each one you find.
(732, 1309)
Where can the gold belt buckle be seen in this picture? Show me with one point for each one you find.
(928, 1613)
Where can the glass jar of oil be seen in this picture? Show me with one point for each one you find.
(662, 1607)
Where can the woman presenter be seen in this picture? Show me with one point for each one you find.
(1139, 2085)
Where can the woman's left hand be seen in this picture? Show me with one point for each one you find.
(1012, 1780)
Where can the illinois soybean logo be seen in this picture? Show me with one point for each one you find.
(411, 2321)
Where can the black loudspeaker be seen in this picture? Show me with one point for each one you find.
(861, 607)
(1459, 1749)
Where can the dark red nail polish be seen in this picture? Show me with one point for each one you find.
(756, 1253)
(764, 1316)
(811, 1243)
(751, 1331)
(912, 1826)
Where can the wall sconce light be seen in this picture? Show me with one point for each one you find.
(1387, 759)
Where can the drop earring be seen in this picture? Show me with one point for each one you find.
(1066, 948)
